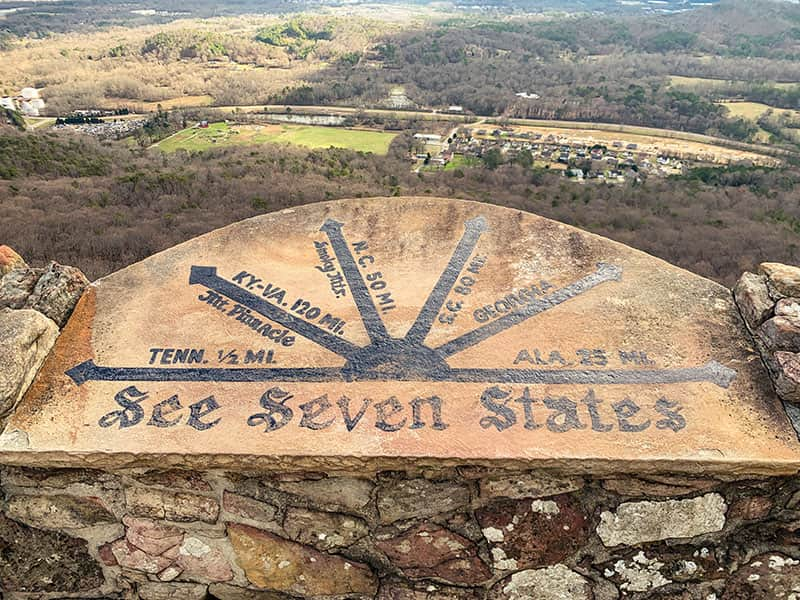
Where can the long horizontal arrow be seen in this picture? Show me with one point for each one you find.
(208, 277)
(605, 272)
(711, 372)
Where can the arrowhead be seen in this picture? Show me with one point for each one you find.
(478, 224)
(81, 373)
(331, 225)
(720, 374)
(609, 272)
(201, 274)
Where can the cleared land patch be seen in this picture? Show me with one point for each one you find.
(222, 134)
(708, 83)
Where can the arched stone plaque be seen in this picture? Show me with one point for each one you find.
(374, 332)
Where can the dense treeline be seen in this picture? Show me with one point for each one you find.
(715, 222)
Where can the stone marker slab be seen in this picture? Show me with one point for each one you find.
(367, 333)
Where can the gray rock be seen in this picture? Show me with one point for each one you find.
(551, 583)
(26, 338)
(753, 300)
(323, 530)
(17, 286)
(57, 291)
(58, 511)
(172, 591)
(528, 485)
(172, 506)
(782, 280)
(332, 493)
(786, 368)
(780, 333)
(224, 591)
(636, 522)
(788, 307)
(419, 498)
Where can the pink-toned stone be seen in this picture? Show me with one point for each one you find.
(107, 555)
(131, 557)
(429, 550)
(248, 508)
(151, 537)
(788, 307)
(201, 559)
(780, 333)
(787, 375)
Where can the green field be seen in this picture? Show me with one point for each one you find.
(219, 135)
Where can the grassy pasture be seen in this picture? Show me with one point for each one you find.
(754, 110)
(222, 134)
(707, 83)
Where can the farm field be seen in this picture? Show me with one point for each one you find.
(680, 81)
(222, 134)
(754, 110)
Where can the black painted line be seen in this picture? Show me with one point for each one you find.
(605, 272)
(207, 276)
(711, 372)
(361, 296)
(472, 233)
(88, 371)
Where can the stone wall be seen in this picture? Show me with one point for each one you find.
(464, 532)
(458, 533)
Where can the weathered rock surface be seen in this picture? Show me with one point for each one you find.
(277, 564)
(323, 530)
(636, 522)
(667, 486)
(419, 498)
(175, 591)
(753, 299)
(787, 375)
(782, 280)
(780, 333)
(26, 338)
(57, 291)
(766, 576)
(429, 550)
(248, 508)
(174, 479)
(225, 591)
(349, 494)
(399, 590)
(551, 583)
(200, 558)
(9, 260)
(172, 506)
(532, 532)
(58, 511)
(528, 485)
(151, 537)
(53, 291)
(32, 560)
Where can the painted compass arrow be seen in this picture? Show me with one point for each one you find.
(387, 358)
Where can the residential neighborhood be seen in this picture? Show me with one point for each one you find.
(579, 158)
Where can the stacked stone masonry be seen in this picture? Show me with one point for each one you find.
(425, 533)
(461, 533)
